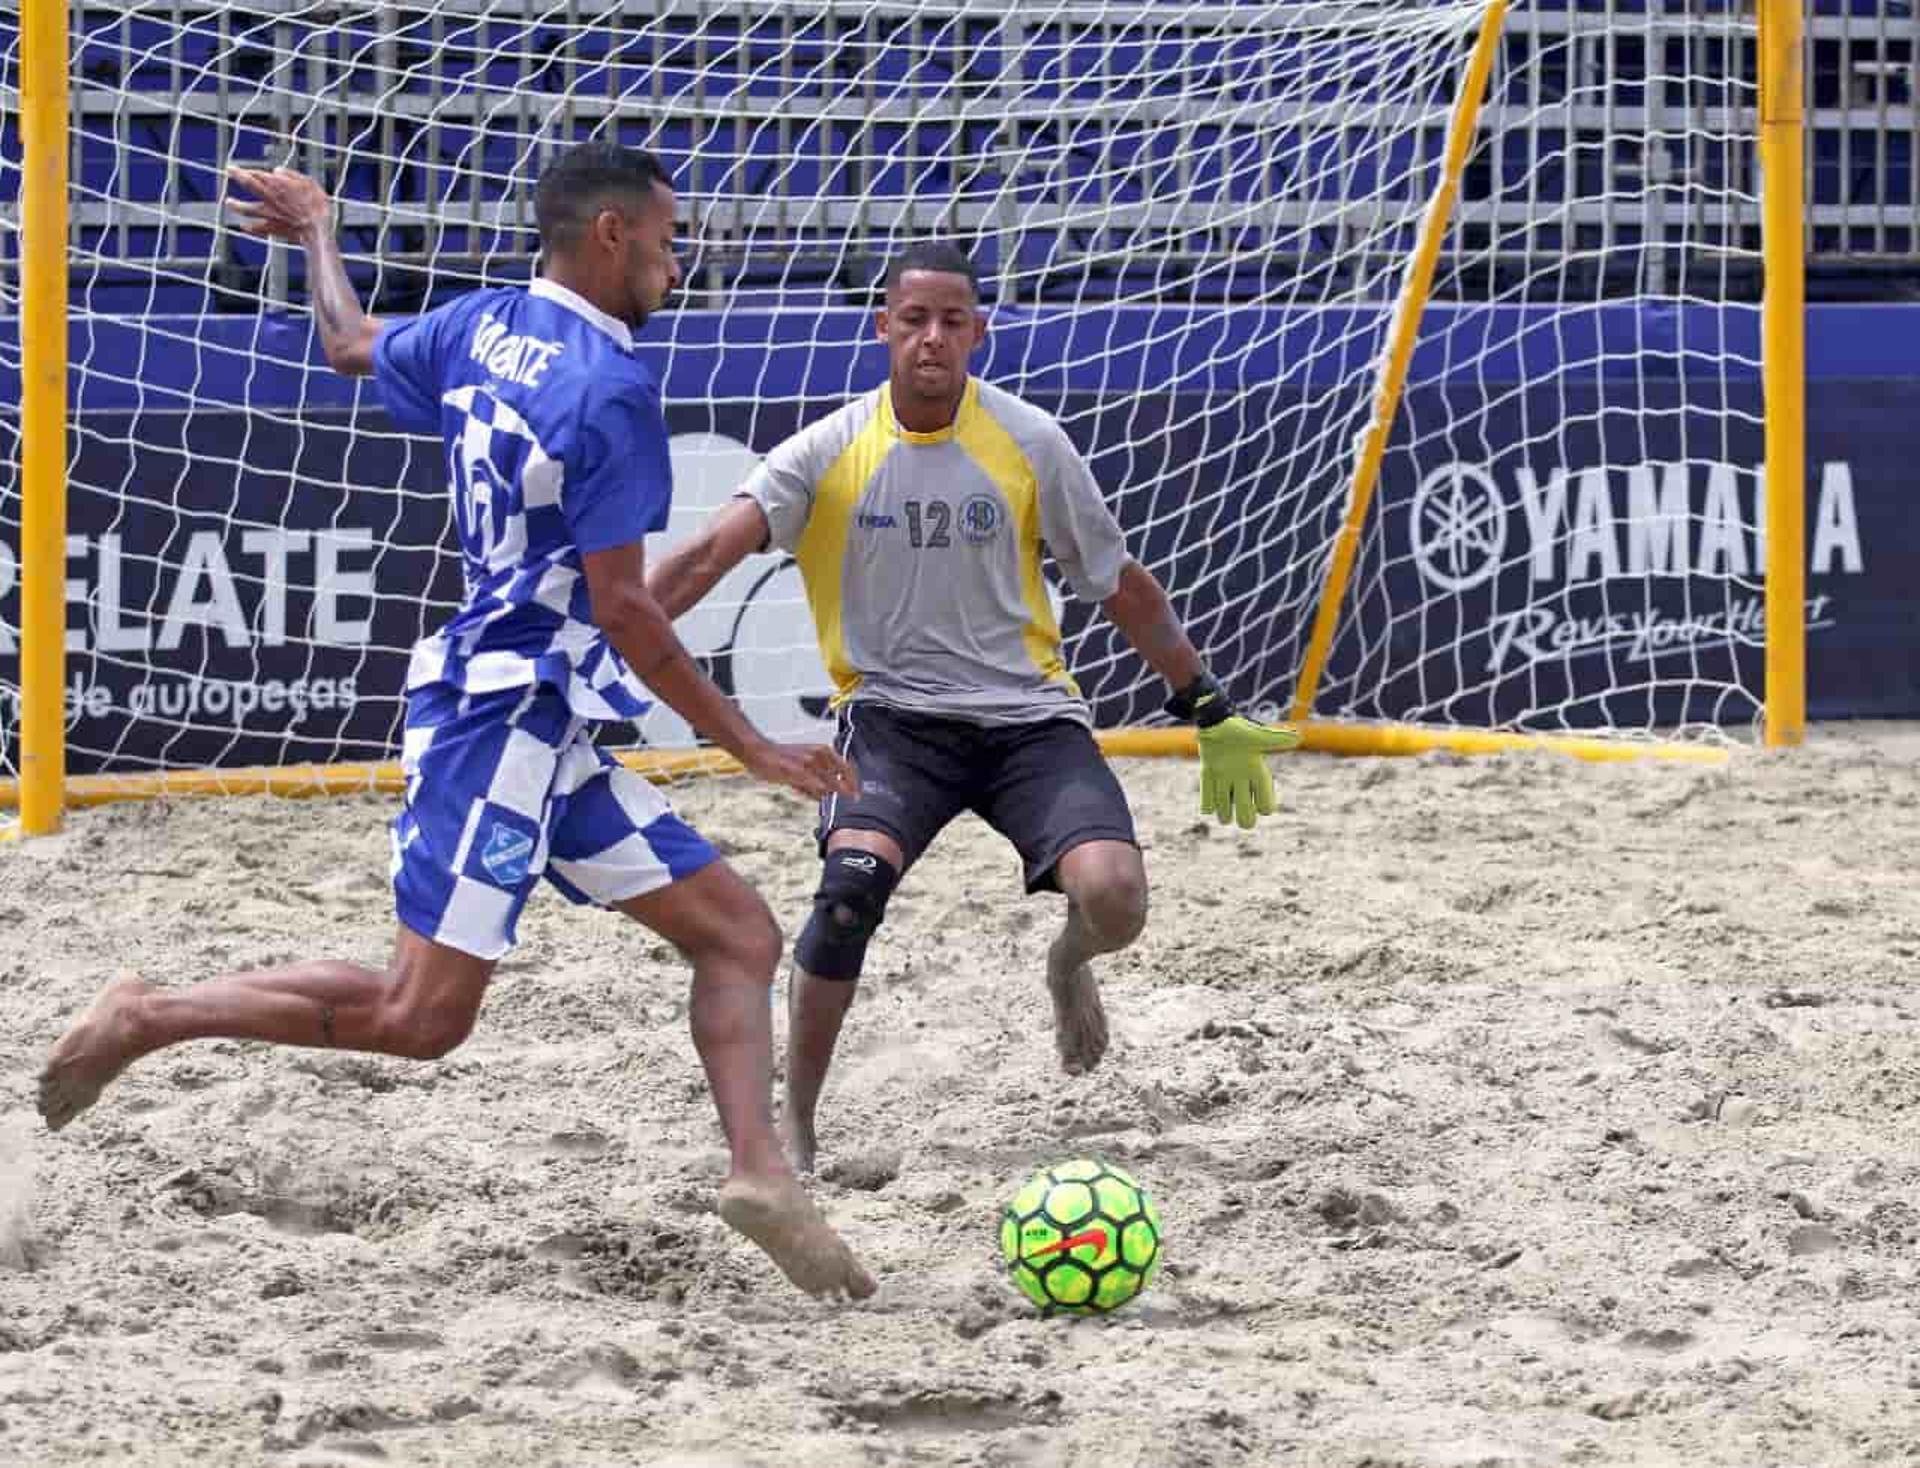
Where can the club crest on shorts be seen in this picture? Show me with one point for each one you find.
(506, 854)
(980, 519)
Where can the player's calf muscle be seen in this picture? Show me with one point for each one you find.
(427, 1032)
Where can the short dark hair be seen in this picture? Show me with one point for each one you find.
(941, 256)
(578, 184)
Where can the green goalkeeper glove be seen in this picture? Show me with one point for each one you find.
(1235, 783)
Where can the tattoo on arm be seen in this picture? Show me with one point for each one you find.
(326, 1026)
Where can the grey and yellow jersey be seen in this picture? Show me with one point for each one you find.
(921, 553)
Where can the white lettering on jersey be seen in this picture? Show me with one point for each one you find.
(521, 359)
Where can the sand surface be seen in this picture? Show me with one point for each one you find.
(1511, 1111)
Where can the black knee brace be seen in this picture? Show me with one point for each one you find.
(846, 910)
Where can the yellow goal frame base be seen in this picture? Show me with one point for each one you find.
(1322, 736)
(1325, 736)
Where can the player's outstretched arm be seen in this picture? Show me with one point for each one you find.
(685, 574)
(1235, 783)
(642, 633)
(290, 206)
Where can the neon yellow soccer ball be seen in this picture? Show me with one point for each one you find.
(1081, 1238)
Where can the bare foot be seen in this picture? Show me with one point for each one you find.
(1079, 1018)
(776, 1213)
(798, 1142)
(98, 1046)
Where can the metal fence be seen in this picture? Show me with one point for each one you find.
(797, 126)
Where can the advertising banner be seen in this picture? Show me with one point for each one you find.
(245, 588)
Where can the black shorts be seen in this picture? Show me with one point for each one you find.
(1044, 786)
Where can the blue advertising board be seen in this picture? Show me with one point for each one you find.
(243, 587)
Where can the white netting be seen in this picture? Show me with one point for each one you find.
(1194, 220)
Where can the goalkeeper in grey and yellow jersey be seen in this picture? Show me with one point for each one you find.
(918, 514)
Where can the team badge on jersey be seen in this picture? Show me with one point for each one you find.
(980, 519)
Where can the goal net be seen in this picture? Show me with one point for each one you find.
(1196, 224)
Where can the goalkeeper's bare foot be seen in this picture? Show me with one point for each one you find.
(775, 1212)
(1079, 1018)
(100, 1044)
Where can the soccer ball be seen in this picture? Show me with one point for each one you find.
(1082, 1237)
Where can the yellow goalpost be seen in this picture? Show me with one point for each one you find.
(43, 789)
(1783, 374)
(43, 413)
(1784, 363)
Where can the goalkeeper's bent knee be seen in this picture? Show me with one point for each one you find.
(846, 912)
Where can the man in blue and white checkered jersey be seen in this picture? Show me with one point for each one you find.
(557, 459)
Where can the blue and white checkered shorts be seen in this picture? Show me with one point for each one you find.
(504, 788)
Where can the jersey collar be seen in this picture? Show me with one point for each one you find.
(613, 326)
(939, 435)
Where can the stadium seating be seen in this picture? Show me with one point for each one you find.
(786, 124)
